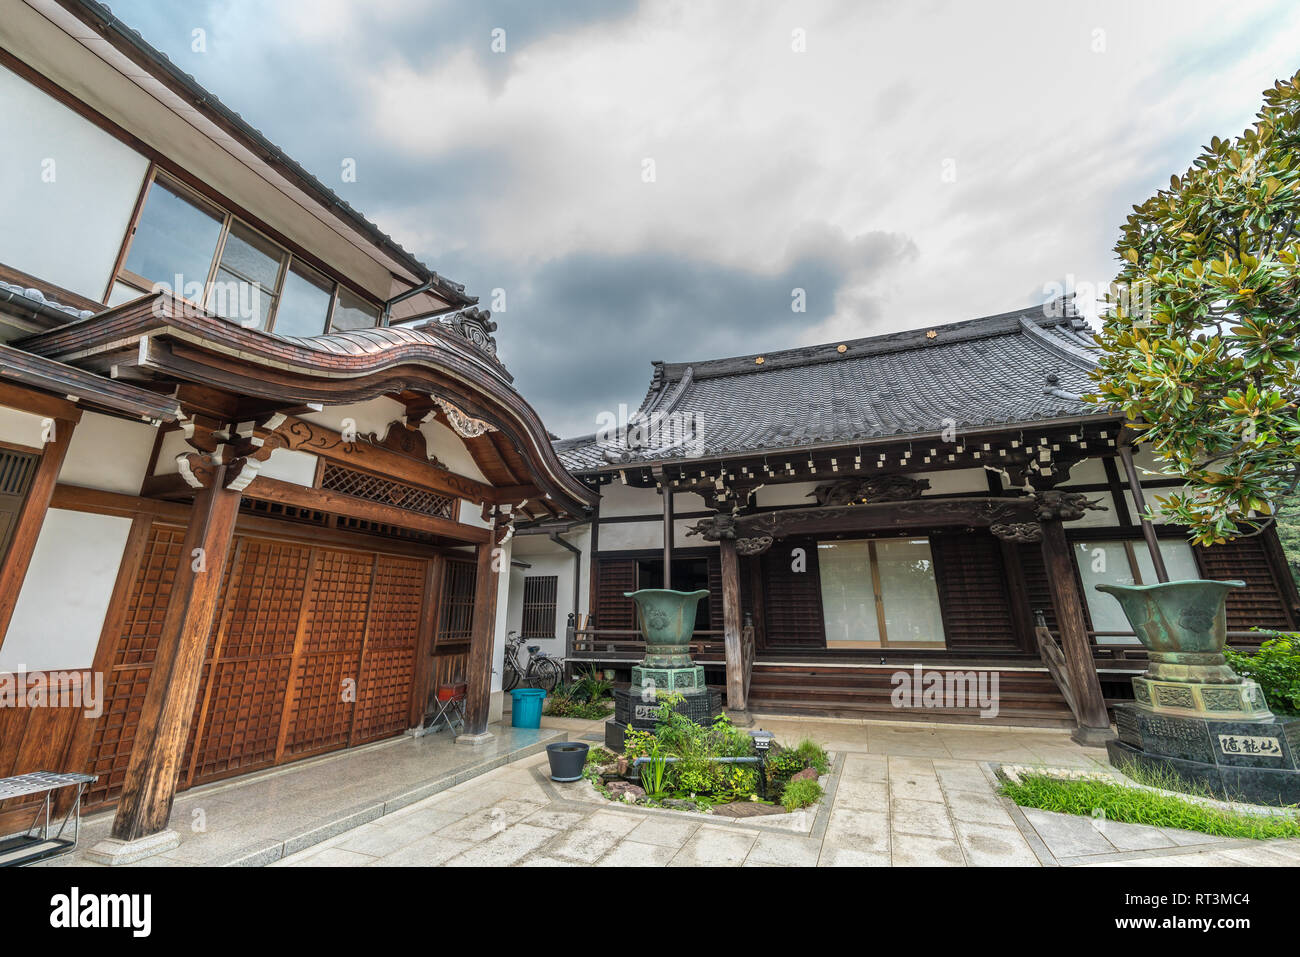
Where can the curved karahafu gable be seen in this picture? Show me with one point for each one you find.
(160, 339)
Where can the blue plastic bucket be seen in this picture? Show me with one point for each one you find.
(527, 709)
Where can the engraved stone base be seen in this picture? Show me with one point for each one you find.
(1240, 701)
(683, 679)
(114, 853)
(631, 710)
(1251, 760)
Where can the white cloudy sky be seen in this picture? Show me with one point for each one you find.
(774, 169)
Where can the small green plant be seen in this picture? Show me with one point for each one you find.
(600, 756)
(1276, 666)
(1119, 802)
(654, 773)
(813, 755)
(591, 686)
(799, 794)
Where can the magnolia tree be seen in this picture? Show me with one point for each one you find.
(1199, 343)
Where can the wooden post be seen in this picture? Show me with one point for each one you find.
(1094, 723)
(27, 527)
(482, 633)
(1148, 530)
(668, 534)
(731, 625)
(150, 785)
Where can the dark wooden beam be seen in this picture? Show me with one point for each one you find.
(1094, 723)
(31, 518)
(1148, 529)
(731, 625)
(287, 493)
(156, 757)
(482, 635)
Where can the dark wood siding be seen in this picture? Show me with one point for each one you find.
(614, 576)
(793, 600)
(973, 592)
(1261, 603)
(1037, 585)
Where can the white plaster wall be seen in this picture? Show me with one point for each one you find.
(618, 499)
(370, 416)
(795, 493)
(451, 451)
(625, 536)
(109, 454)
(77, 183)
(173, 444)
(954, 481)
(22, 428)
(61, 607)
(290, 466)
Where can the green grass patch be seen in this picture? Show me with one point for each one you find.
(1119, 802)
(799, 794)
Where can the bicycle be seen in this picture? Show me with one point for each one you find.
(542, 671)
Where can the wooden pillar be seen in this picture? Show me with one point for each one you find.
(150, 786)
(1094, 723)
(668, 534)
(482, 635)
(1148, 530)
(731, 625)
(27, 527)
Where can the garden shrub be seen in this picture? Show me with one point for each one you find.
(1276, 666)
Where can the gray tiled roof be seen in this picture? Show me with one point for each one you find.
(1016, 367)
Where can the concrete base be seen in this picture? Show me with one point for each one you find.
(113, 852)
(1092, 737)
(741, 719)
(473, 739)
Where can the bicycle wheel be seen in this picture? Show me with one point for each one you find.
(509, 674)
(546, 674)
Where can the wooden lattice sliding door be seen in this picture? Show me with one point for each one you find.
(132, 663)
(312, 649)
(241, 699)
(388, 659)
(328, 661)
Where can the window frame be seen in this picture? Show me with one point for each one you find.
(550, 585)
(228, 219)
(884, 642)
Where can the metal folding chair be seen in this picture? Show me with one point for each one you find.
(450, 701)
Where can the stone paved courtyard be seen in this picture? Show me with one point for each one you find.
(898, 795)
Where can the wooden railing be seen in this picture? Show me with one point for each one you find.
(1054, 658)
(747, 654)
(614, 644)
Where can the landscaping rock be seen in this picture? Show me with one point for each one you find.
(807, 774)
(680, 805)
(619, 791)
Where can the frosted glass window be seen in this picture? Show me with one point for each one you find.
(247, 279)
(1179, 562)
(1104, 563)
(909, 593)
(863, 582)
(848, 598)
(1125, 563)
(352, 312)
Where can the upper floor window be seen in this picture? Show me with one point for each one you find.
(208, 256)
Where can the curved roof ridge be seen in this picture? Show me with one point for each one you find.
(1059, 346)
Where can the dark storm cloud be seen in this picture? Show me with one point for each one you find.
(580, 332)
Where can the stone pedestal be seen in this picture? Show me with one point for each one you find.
(115, 853)
(1255, 760)
(633, 710)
